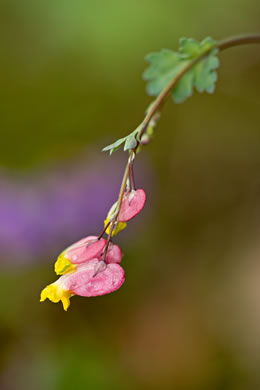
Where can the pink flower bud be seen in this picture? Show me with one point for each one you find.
(83, 250)
(133, 202)
(114, 254)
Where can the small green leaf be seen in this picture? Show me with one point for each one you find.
(130, 142)
(111, 151)
(166, 64)
(115, 146)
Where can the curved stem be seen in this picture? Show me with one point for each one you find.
(237, 41)
(221, 45)
(165, 92)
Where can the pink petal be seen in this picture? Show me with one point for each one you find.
(114, 254)
(132, 204)
(84, 284)
(85, 249)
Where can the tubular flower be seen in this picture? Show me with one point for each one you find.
(81, 251)
(84, 269)
(85, 282)
(133, 202)
(114, 254)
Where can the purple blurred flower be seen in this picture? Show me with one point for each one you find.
(43, 212)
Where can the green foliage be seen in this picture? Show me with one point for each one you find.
(166, 64)
(115, 146)
(130, 142)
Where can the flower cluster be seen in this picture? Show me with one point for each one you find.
(91, 266)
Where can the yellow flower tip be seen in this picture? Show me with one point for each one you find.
(105, 224)
(119, 226)
(65, 302)
(56, 293)
(63, 265)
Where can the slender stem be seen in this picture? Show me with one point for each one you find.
(104, 230)
(132, 177)
(159, 101)
(123, 184)
(237, 41)
(108, 241)
(119, 202)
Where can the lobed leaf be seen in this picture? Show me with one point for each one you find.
(205, 75)
(166, 64)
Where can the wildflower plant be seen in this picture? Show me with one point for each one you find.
(91, 266)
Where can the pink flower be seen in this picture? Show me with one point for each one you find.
(85, 282)
(133, 202)
(81, 251)
(114, 254)
(84, 270)
(84, 250)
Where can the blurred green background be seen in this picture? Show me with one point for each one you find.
(188, 315)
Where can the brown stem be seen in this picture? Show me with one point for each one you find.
(108, 241)
(119, 202)
(237, 41)
(104, 230)
(132, 177)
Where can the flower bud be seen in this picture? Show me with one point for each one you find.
(146, 139)
(133, 202)
(114, 254)
(83, 250)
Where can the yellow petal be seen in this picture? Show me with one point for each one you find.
(64, 265)
(118, 227)
(65, 302)
(56, 293)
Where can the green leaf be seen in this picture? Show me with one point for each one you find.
(205, 75)
(192, 48)
(130, 142)
(166, 64)
(115, 146)
(189, 47)
(114, 149)
(183, 88)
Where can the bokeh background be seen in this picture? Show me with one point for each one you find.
(188, 315)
